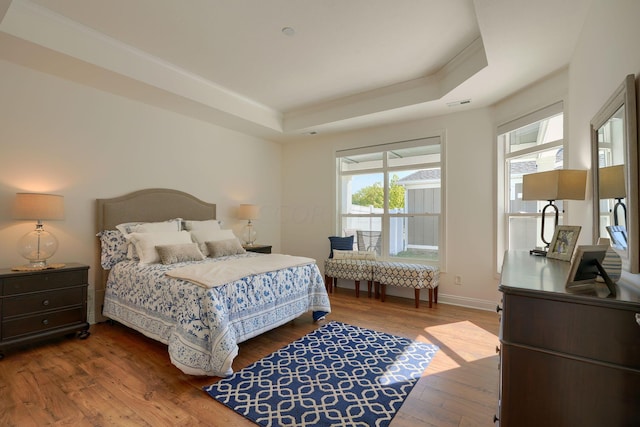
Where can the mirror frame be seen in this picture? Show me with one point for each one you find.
(625, 95)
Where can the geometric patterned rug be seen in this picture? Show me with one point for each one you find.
(337, 375)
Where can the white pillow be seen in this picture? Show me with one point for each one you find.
(209, 224)
(145, 243)
(146, 227)
(207, 235)
(149, 227)
(359, 255)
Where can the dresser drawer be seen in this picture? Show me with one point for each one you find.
(42, 301)
(42, 282)
(583, 330)
(16, 327)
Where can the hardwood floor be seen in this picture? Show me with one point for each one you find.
(117, 377)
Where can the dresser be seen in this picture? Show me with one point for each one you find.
(567, 358)
(262, 249)
(37, 305)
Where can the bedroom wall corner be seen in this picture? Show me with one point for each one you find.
(62, 137)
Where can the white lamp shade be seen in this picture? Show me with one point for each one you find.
(559, 184)
(611, 182)
(38, 206)
(249, 212)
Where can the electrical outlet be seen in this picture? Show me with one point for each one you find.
(458, 280)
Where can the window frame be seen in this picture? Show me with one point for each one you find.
(504, 157)
(387, 171)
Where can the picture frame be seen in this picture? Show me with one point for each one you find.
(586, 267)
(618, 235)
(564, 242)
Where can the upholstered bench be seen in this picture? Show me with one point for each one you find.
(348, 269)
(417, 276)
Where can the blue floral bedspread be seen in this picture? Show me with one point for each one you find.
(202, 327)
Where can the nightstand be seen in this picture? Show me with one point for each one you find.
(36, 305)
(263, 249)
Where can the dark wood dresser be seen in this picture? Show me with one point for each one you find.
(567, 358)
(36, 305)
(262, 249)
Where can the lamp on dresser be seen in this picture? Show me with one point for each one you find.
(249, 212)
(38, 245)
(611, 185)
(558, 184)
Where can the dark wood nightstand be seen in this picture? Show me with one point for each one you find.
(263, 249)
(35, 305)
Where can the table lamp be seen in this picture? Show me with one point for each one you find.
(38, 245)
(249, 212)
(558, 184)
(611, 185)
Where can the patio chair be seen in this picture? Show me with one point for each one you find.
(369, 241)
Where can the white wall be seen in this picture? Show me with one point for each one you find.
(607, 51)
(57, 136)
(309, 191)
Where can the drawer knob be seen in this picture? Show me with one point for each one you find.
(497, 349)
(498, 309)
(45, 302)
(45, 322)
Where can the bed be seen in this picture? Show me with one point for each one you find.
(200, 307)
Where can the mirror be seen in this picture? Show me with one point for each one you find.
(614, 162)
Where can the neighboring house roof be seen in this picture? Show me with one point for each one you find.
(420, 176)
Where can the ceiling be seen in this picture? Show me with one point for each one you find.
(349, 64)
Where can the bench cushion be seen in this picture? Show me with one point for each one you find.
(349, 269)
(406, 275)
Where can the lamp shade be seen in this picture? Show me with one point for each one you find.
(558, 184)
(249, 212)
(611, 182)
(38, 206)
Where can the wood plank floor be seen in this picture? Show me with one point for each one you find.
(117, 377)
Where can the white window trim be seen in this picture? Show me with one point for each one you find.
(385, 217)
(502, 216)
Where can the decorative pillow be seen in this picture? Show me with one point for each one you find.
(203, 236)
(209, 224)
(146, 243)
(171, 254)
(225, 247)
(146, 227)
(341, 243)
(149, 227)
(361, 255)
(113, 246)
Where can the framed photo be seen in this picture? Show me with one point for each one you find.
(618, 235)
(585, 265)
(564, 242)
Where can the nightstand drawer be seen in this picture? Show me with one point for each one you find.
(43, 282)
(41, 322)
(42, 301)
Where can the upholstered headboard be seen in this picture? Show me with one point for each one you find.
(151, 205)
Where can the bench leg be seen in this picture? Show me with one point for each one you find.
(435, 294)
(328, 283)
(431, 297)
(417, 292)
(369, 283)
(377, 290)
(383, 291)
(357, 288)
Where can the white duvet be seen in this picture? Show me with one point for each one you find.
(210, 275)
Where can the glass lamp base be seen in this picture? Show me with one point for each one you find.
(249, 235)
(37, 246)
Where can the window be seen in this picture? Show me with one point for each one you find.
(390, 199)
(534, 143)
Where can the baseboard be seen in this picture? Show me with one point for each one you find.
(476, 303)
(480, 304)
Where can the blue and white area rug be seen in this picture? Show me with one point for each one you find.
(337, 375)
